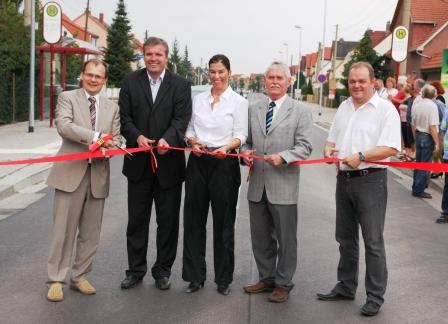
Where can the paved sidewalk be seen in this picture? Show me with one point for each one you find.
(20, 185)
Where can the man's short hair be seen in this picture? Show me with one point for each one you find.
(420, 83)
(277, 65)
(362, 64)
(96, 61)
(153, 41)
(429, 91)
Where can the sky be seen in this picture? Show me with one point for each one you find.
(252, 33)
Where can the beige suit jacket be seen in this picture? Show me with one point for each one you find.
(74, 125)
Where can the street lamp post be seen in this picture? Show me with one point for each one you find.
(300, 56)
(286, 53)
(322, 57)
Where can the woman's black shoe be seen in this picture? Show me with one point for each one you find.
(194, 286)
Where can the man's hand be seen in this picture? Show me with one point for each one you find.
(110, 144)
(142, 141)
(221, 152)
(162, 143)
(352, 161)
(248, 160)
(436, 147)
(330, 152)
(274, 159)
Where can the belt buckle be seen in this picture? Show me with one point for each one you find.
(365, 172)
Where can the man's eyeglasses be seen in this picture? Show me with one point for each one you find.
(92, 76)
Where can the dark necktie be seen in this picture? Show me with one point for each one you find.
(269, 115)
(92, 111)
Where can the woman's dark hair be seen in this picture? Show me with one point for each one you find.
(220, 58)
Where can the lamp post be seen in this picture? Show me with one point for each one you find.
(287, 53)
(322, 57)
(300, 55)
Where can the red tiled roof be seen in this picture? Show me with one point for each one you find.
(377, 37)
(74, 29)
(434, 62)
(429, 10)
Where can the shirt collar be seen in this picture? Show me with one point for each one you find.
(160, 78)
(97, 96)
(279, 101)
(225, 95)
(374, 100)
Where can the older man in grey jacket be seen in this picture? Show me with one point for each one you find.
(279, 130)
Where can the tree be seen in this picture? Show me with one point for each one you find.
(365, 52)
(309, 88)
(186, 66)
(241, 83)
(119, 54)
(174, 63)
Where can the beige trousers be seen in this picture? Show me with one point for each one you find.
(74, 213)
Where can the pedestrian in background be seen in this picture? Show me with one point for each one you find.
(218, 125)
(82, 186)
(155, 107)
(441, 107)
(366, 128)
(425, 120)
(406, 130)
(280, 130)
(440, 91)
(380, 89)
(443, 218)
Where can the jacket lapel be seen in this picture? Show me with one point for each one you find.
(84, 105)
(144, 83)
(162, 90)
(283, 112)
(261, 112)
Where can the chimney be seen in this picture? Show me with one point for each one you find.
(101, 17)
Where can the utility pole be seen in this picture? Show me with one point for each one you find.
(32, 65)
(323, 57)
(87, 20)
(146, 35)
(333, 62)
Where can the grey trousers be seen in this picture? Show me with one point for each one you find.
(274, 241)
(361, 201)
(74, 213)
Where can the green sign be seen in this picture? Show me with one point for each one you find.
(52, 10)
(444, 76)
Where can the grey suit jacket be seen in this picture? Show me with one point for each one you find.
(289, 136)
(74, 125)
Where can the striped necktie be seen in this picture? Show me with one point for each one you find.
(92, 111)
(269, 115)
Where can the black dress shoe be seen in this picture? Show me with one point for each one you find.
(370, 308)
(334, 296)
(424, 194)
(130, 281)
(224, 289)
(442, 219)
(194, 286)
(163, 283)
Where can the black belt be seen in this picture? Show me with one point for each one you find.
(359, 173)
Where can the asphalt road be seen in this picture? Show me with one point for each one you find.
(416, 250)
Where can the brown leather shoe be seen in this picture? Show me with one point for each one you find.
(258, 287)
(84, 287)
(279, 295)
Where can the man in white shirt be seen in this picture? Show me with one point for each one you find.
(425, 119)
(366, 128)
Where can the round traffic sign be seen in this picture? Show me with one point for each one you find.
(322, 78)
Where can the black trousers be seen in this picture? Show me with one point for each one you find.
(141, 194)
(361, 202)
(215, 181)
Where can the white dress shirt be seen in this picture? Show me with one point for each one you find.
(216, 126)
(97, 112)
(278, 104)
(155, 84)
(376, 123)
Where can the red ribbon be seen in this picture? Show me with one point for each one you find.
(425, 166)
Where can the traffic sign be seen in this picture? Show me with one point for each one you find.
(52, 22)
(322, 78)
(400, 38)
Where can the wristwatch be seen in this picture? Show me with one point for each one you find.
(361, 157)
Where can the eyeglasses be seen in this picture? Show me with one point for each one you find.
(92, 76)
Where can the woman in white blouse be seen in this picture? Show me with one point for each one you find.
(219, 125)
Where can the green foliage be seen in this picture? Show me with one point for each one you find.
(174, 63)
(186, 66)
(365, 52)
(15, 61)
(241, 83)
(73, 68)
(309, 88)
(119, 54)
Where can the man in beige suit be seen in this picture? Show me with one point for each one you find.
(82, 116)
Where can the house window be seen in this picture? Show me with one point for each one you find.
(94, 41)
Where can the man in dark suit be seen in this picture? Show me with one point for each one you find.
(155, 108)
